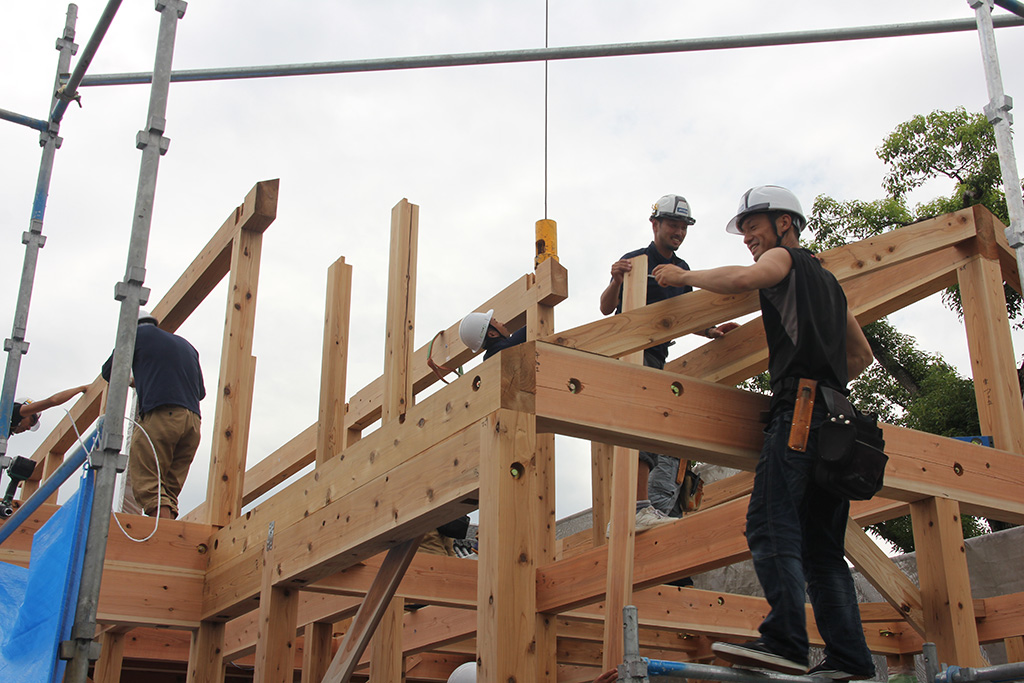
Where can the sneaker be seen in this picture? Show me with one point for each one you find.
(650, 517)
(646, 518)
(823, 670)
(756, 654)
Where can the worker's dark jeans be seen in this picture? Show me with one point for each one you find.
(795, 531)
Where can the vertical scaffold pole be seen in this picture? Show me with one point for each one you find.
(998, 113)
(33, 239)
(108, 461)
(634, 668)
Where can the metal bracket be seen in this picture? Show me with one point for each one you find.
(33, 238)
(975, 4)
(123, 289)
(270, 536)
(999, 111)
(178, 5)
(20, 345)
(145, 138)
(68, 648)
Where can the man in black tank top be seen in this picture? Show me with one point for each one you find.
(795, 529)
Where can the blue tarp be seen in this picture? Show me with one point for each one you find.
(37, 605)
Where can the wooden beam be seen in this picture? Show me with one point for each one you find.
(665, 320)
(386, 659)
(945, 583)
(108, 666)
(235, 385)
(884, 575)
(625, 464)
(992, 359)
(331, 434)
(507, 587)
(206, 657)
(377, 603)
(318, 641)
(275, 641)
(401, 313)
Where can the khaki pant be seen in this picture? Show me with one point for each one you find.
(174, 431)
(435, 544)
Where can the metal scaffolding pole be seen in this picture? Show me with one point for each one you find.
(33, 239)
(68, 91)
(998, 113)
(556, 53)
(81, 649)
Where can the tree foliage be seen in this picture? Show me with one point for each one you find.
(909, 386)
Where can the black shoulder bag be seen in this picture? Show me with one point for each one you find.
(851, 450)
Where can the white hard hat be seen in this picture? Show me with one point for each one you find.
(473, 329)
(146, 317)
(673, 206)
(764, 198)
(464, 673)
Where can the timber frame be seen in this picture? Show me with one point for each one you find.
(210, 589)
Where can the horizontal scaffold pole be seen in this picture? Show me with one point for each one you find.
(559, 53)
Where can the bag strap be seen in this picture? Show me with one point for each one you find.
(836, 402)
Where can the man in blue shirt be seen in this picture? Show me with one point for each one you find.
(657, 490)
(167, 376)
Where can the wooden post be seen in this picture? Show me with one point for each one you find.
(331, 432)
(600, 489)
(619, 580)
(507, 572)
(988, 340)
(1014, 649)
(401, 313)
(386, 661)
(235, 386)
(540, 322)
(317, 639)
(945, 584)
(275, 638)
(108, 667)
(206, 653)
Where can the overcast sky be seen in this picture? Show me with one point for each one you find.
(466, 144)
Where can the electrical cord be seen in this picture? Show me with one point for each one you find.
(81, 442)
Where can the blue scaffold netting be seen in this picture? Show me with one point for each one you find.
(37, 605)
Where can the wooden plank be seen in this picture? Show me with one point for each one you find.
(275, 640)
(945, 583)
(624, 485)
(333, 364)
(235, 384)
(377, 602)
(205, 658)
(988, 339)
(1002, 619)
(884, 575)
(241, 633)
(318, 641)
(401, 312)
(508, 549)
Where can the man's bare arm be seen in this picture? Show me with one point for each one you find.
(858, 350)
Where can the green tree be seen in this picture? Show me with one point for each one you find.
(909, 386)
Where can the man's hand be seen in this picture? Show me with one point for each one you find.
(608, 677)
(669, 275)
(619, 270)
(720, 330)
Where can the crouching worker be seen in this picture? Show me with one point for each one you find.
(481, 330)
(795, 528)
